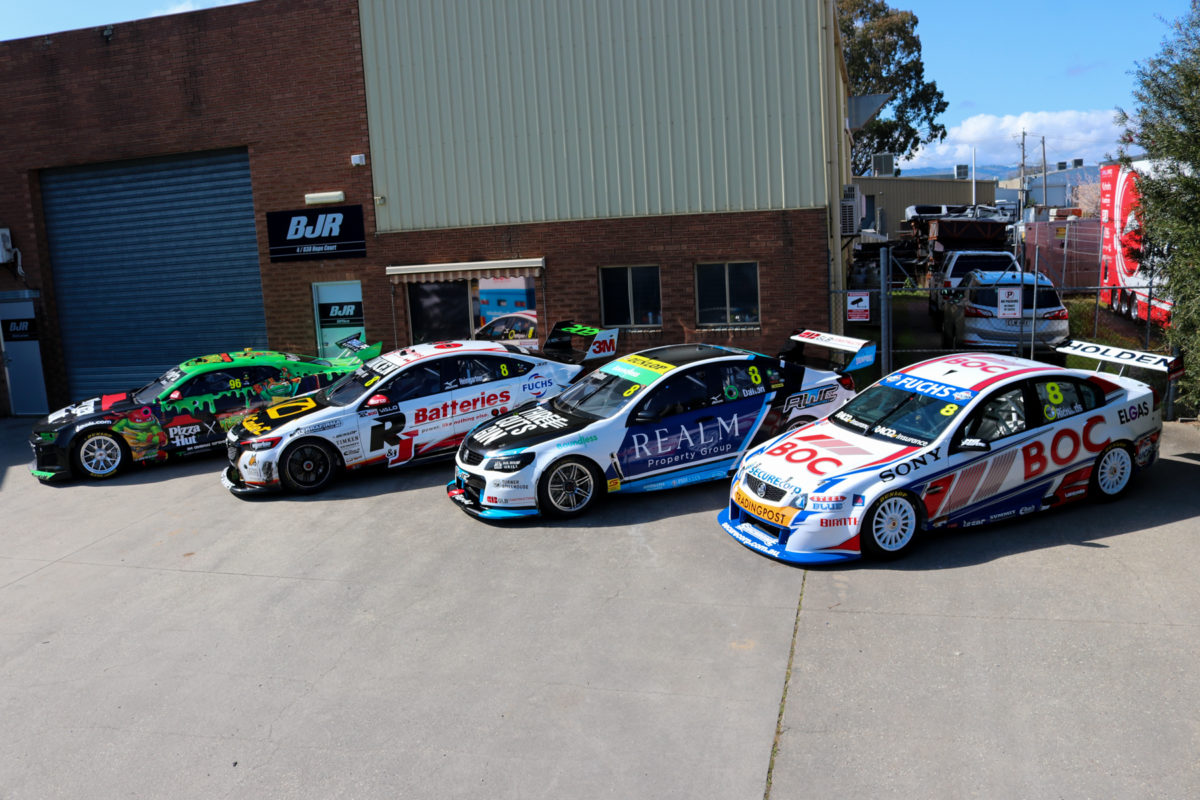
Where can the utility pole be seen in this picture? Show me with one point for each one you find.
(1045, 197)
(1021, 197)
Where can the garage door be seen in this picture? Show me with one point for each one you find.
(155, 262)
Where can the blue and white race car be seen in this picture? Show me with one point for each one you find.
(952, 442)
(657, 419)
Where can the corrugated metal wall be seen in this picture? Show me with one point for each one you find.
(896, 194)
(487, 113)
(155, 261)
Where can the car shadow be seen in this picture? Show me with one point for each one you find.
(1160, 496)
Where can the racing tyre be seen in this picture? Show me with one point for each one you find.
(797, 424)
(890, 527)
(100, 454)
(569, 487)
(1112, 473)
(307, 466)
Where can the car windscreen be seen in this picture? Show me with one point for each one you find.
(897, 415)
(350, 387)
(985, 263)
(152, 390)
(597, 395)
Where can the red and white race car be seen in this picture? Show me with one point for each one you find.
(951, 442)
(405, 407)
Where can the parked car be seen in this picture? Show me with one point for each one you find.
(520, 328)
(405, 407)
(1004, 310)
(957, 263)
(664, 417)
(952, 442)
(186, 410)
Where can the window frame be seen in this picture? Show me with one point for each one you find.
(757, 323)
(628, 268)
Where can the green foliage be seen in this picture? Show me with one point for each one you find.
(1165, 125)
(883, 54)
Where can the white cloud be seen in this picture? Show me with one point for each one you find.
(1090, 135)
(192, 5)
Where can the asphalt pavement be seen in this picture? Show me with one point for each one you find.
(160, 637)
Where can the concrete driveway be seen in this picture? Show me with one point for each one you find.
(159, 637)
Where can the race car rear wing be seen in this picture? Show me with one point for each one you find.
(863, 349)
(603, 343)
(1171, 365)
(354, 346)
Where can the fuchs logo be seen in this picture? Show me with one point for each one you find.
(537, 385)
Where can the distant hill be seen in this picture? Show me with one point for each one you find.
(983, 172)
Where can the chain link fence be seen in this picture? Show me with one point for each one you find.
(896, 312)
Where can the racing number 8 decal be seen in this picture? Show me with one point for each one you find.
(632, 390)
(949, 409)
(1054, 393)
(755, 378)
(504, 370)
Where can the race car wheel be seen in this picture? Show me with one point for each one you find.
(799, 423)
(890, 526)
(568, 487)
(307, 466)
(100, 454)
(1113, 470)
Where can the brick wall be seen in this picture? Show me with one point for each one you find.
(789, 247)
(282, 78)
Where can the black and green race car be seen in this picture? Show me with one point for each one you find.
(186, 410)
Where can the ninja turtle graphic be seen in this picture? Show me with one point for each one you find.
(143, 434)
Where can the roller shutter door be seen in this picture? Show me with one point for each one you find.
(155, 261)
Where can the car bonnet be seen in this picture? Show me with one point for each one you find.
(822, 454)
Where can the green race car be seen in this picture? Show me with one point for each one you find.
(187, 410)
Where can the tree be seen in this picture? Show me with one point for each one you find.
(883, 54)
(1165, 125)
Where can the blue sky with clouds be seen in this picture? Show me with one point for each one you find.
(1055, 69)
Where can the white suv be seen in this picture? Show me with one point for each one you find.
(958, 263)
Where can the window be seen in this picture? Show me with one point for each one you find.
(1065, 398)
(483, 369)
(727, 294)
(629, 296)
(678, 394)
(1002, 415)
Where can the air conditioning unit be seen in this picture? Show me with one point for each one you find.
(883, 165)
(6, 248)
(849, 216)
(961, 172)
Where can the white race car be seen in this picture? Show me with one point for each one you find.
(951, 442)
(404, 407)
(657, 419)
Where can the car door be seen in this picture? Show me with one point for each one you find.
(695, 419)
(984, 454)
(199, 410)
(403, 414)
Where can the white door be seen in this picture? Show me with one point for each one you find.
(22, 358)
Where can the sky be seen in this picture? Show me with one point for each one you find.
(1056, 70)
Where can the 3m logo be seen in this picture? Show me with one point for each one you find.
(605, 346)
